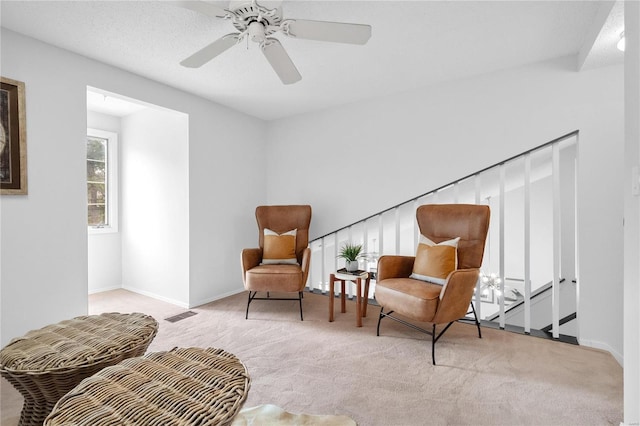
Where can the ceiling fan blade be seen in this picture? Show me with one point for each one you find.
(337, 32)
(202, 7)
(210, 51)
(280, 61)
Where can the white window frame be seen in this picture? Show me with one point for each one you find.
(112, 181)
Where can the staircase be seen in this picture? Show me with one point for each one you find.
(541, 306)
(531, 235)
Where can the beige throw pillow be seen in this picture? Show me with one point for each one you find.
(279, 248)
(434, 262)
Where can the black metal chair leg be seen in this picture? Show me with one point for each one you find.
(434, 337)
(253, 294)
(477, 322)
(300, 299)
(379, 319)
(246, 315)
(433, 344)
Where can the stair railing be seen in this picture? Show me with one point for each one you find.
(395, 231)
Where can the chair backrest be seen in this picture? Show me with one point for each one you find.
(470, 222)
(285, 218)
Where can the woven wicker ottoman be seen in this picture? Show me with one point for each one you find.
(45, 364)
(184, 386)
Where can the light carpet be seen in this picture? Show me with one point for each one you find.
(317, 367)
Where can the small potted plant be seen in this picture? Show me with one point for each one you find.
(350, 252)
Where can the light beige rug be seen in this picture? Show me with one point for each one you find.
(268, 414)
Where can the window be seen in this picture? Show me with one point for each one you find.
(102, 185)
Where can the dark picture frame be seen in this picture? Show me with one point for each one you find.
(13, 138)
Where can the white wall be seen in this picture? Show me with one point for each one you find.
(227, 180)
(410, 143)
(155, 204)
(104, 249)
(632, 216)
(44, 234)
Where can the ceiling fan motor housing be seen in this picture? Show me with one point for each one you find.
(247, 13)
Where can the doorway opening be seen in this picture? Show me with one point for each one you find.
(137, 197)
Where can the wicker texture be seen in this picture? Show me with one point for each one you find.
(45, 364)
(184, 386)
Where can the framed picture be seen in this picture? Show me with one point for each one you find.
(13, 138)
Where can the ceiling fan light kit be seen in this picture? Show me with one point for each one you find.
(259, 23)
(257, 32)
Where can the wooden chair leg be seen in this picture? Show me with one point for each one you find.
(332, 281)
(366, 297)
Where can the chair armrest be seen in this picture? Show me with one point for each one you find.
(250, 258)
(306, 259)
(394, 267)
(456, 295)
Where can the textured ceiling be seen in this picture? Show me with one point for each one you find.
(413, 44)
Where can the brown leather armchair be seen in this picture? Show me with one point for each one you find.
(433, 303)
(278, 277)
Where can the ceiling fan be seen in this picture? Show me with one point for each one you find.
(260, 23)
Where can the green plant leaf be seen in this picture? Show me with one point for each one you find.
(350, 251)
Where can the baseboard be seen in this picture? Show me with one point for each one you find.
(158, 297)
(213, 299)
(173, 301)
(102, 289)
(603, 346)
